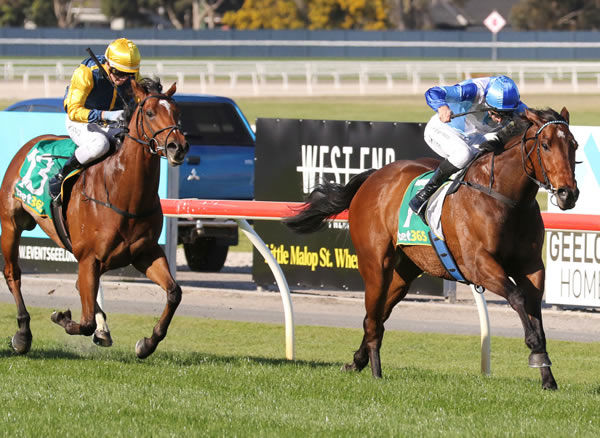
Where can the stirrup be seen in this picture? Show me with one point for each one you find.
(58, 182)
(422, 212)
(422, 208)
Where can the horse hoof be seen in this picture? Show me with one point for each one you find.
(60, 317)
(539, 360)
(349, 367)
(21, 343)
(552, 386)
(142, 350)
(102, 338)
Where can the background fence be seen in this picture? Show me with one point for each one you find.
(47, 77)
(36, 62)
(581, 45)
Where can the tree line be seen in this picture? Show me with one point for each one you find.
(298, 14)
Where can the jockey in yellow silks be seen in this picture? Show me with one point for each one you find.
(93, 106)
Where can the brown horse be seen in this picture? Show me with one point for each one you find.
(113, 217)
(495, 237)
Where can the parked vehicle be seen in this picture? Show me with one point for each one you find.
(219, 165)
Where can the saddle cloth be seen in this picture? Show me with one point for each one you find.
(412, 230)
(43, 161)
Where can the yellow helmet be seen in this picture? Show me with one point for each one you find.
(123, 55)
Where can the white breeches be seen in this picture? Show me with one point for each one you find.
(451, 143)
(92, 140)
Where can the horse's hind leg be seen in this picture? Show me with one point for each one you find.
(11, 234)
(87, 283)
(154, 265)
(380, 299)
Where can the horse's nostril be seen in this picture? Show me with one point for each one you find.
(563, 192)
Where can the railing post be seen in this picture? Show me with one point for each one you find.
(282, 283)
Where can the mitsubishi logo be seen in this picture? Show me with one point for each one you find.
(193, 176)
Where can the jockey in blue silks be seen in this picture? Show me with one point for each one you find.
(489, 102)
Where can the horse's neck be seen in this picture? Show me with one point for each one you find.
(509, 177)
(133, 174)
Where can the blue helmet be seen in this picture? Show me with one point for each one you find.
(502, 94)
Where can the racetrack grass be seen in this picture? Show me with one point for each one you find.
(219, 378)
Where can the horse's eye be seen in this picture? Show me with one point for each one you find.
(149, 113)
(545, 146)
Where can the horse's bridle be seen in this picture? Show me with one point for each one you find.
(153, 145)
(526, 155)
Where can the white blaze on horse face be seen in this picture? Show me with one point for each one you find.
(167, 105)
(561, 134)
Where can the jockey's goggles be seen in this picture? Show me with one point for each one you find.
(500, 113)
(120, 74)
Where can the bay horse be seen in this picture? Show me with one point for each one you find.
(114, 217)
(495, 236)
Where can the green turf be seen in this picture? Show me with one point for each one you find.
(216, 378)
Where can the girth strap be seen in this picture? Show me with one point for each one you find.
(115, 208)
(488, 191)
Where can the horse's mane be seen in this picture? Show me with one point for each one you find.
(522, 122)
(519, 123)
(150, 86)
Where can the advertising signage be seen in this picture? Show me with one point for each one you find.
(573, 257)
(292, 156)
(37, 252)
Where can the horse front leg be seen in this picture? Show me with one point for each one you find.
(533, 287)
(154, 265)
(21, 340)
(88, 280)
(102, 336)
(525, 296)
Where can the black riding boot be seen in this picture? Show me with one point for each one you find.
(442, 173)
(55, 182)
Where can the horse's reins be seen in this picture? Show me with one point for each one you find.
(153, 147)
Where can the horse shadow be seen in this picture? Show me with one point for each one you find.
(188, 359)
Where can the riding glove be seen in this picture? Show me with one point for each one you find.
(491, 144)
(112, 116)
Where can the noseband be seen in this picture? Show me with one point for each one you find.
(151, 141)
(526, 155)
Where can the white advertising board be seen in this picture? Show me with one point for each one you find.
(573, 257)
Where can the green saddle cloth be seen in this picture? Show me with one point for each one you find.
(43, 161)
(411, 229)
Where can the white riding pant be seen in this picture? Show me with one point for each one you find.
(92, 140)
(450, 143)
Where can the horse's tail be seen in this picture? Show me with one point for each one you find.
(326, 200)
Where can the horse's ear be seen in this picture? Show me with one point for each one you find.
(565, 114)
(138, 91)
(533, 117)
(171, 90)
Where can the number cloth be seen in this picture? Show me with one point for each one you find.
(411, 229)
(44, 160)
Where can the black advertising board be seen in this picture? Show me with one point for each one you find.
(292, 156)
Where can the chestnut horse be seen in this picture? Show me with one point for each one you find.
(113, 217)
(495, 236)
